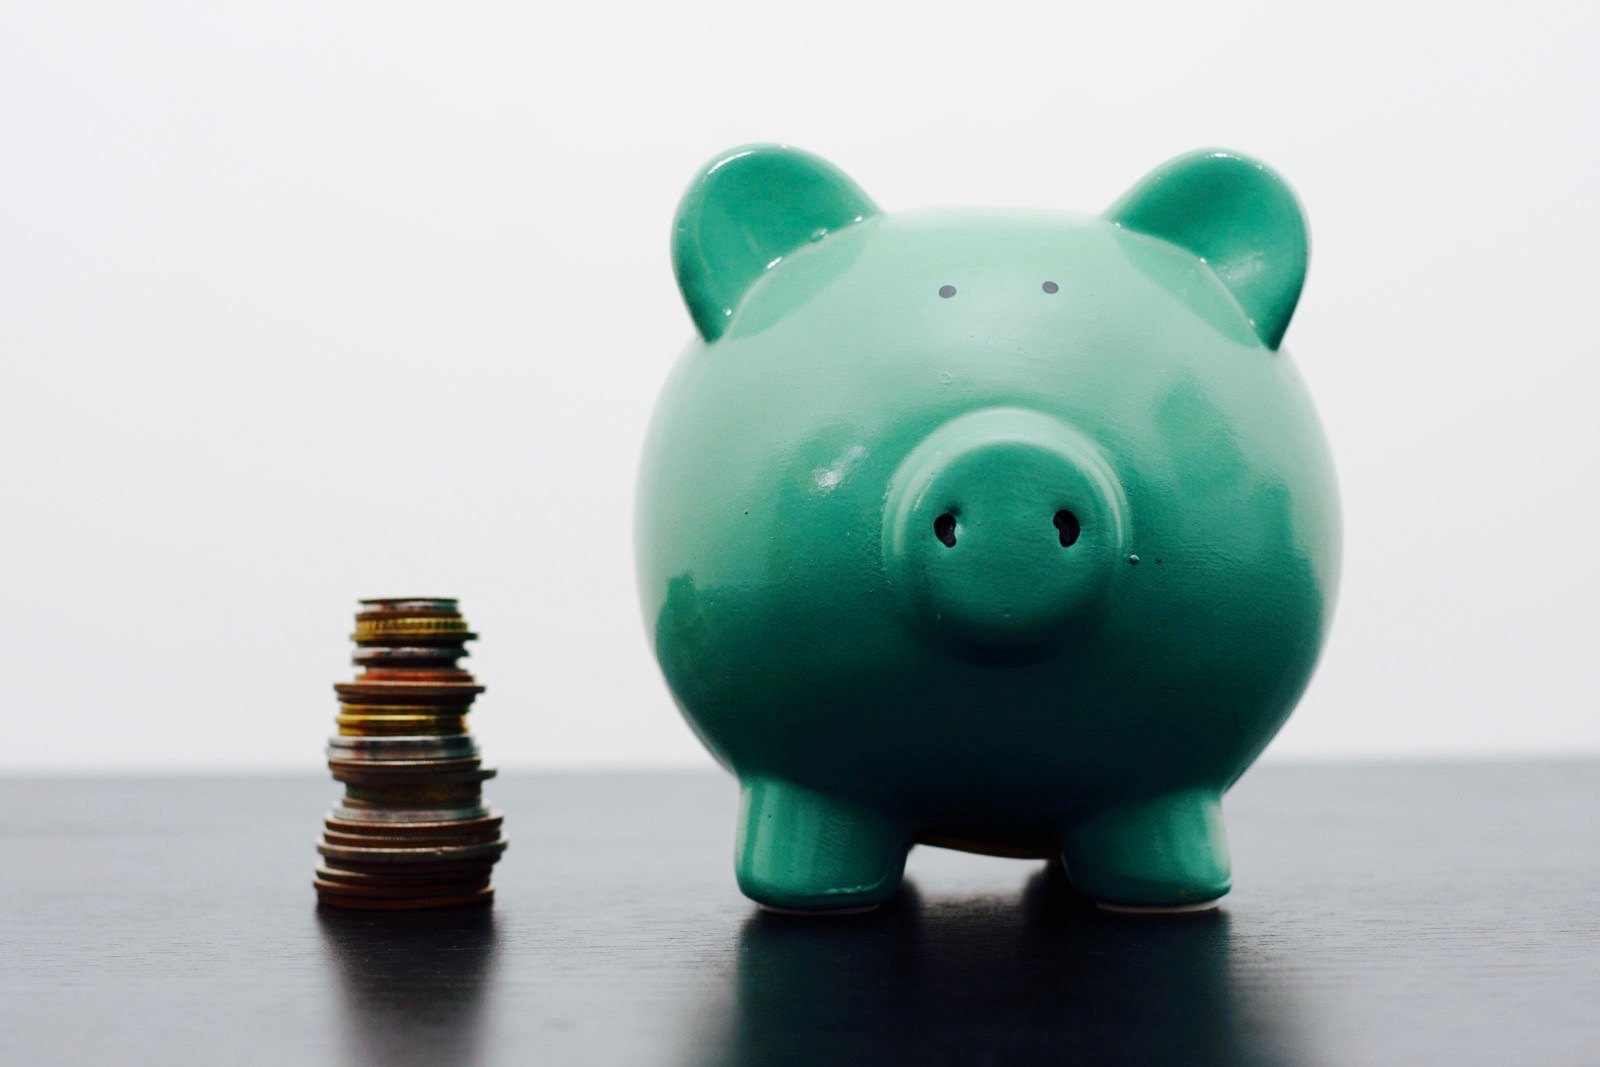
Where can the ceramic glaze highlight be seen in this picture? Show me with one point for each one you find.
(1008, 531)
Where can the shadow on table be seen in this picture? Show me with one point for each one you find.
(414, 983)
(985, 980)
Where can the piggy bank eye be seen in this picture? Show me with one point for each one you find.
(1051, 287)
(1067, 526)
(944, 528)
(947, 291)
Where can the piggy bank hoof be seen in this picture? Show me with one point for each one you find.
(806, 853)
(1158, 909)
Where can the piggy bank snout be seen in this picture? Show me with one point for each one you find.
(1002, 528)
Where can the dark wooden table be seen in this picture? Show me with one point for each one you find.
(1410, 915)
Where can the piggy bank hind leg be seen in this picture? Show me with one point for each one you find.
(801, 851)
(1160, 855)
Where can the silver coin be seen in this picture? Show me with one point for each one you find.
(386, 815)
(458, 746)
(411, 603)
(369, 656)
(385, 742)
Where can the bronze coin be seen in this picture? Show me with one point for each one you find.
(397, 726)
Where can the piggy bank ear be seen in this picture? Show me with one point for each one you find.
(1240, 218)
(747, 210)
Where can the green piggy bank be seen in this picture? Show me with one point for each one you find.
(1008, 531)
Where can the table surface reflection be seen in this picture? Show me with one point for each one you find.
(1382, 915)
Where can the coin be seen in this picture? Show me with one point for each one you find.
(487, 821)
(344, 900)
(441, 654)
(393, 876)
(400, 725)
(400, 892)
(375, 840)
(410, 624)
(397, 872)
(421, 773)
(407, 816)
(398, 691)
(412, 830)
(409, 795)
(425, 855)
(385, 749)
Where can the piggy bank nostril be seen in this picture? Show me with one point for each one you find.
(1068, 527)
(944, 528)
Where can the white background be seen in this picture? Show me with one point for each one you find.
(301, 302)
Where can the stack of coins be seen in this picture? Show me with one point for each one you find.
(412, 830)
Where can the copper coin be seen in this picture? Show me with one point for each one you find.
(438, 889)
(404, 692)
(434, 674)
(482, 896)
(430, 854)
(392, 877)
(400, 874)
(425, 833)
(372, 773)
(487, 821)
(411, 796)
(395, 840)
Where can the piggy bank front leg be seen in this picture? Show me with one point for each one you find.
(802, 851)
(1165, 854)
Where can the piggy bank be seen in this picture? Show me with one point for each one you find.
(1002, 530)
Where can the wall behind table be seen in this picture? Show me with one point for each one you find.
(314, 301)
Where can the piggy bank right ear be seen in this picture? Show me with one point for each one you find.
(1239, 218)
(748, 209)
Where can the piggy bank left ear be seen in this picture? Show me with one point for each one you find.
(1240, 218)
(748, 209)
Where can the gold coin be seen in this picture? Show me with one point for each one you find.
(400, 725)
(385, 625)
